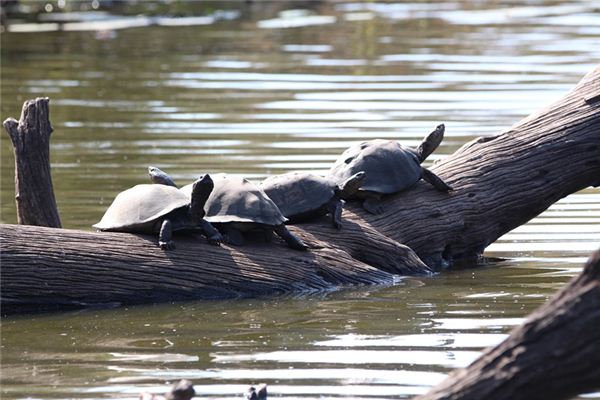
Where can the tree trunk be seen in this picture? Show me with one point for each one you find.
(554, 355)
(500, 183)
(33, 183)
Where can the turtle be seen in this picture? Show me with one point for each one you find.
(302, 195)
(161, 209)
(390, 167)
(235, 206)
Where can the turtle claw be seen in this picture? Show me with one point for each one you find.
(302, 247)
(216, 239)
(170, 245)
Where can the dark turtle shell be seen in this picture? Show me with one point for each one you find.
(235, 199)
(298, 193)
(136, 209)
(389, 166)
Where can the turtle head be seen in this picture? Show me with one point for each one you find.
(201, 189)
(182, 390)
(350, 186)
(160, 177)
(259, 393)
(430, 143)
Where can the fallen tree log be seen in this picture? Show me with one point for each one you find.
(98, 268)
(500, 183)
(554, 355)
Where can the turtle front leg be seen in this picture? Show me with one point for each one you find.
(165, 235)
(214, 236)
(334, 207)
(292, 241)
(435, 180)
(372, 204)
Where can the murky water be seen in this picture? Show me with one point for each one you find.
(257, 91)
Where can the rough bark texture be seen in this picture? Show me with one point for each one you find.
(554, 355)
(30, 136)
(55, 268)
(500, 183)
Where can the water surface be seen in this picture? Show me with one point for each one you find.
(262, 89)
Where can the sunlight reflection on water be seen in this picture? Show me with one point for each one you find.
(258, 94)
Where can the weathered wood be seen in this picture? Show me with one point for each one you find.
(30, 136)
(553, 355)
(500, 183)
(49, 267)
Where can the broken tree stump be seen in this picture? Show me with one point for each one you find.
(30, 137)
(500, 183)
(553, 355)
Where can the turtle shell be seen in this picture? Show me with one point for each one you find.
(235, 199)
(297, 193)
(135, 209)
(389, 166)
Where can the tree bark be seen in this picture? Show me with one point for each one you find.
(30, 136)
(500, 183)
(554, 355)
(49, 268)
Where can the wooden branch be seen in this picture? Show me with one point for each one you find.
(554, 355)
(500, 183)
(30, 136)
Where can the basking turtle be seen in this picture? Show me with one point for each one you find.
(301, 195)
(390, 167)
(161, 209)
(235, 206)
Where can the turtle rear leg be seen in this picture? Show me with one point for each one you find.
(350, 186)
(334, 207)
(165, 235)
(292, 241)
(435, 180)
(430, 143)
(372, 204)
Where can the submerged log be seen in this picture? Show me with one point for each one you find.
(553, 355)
(500, 183)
